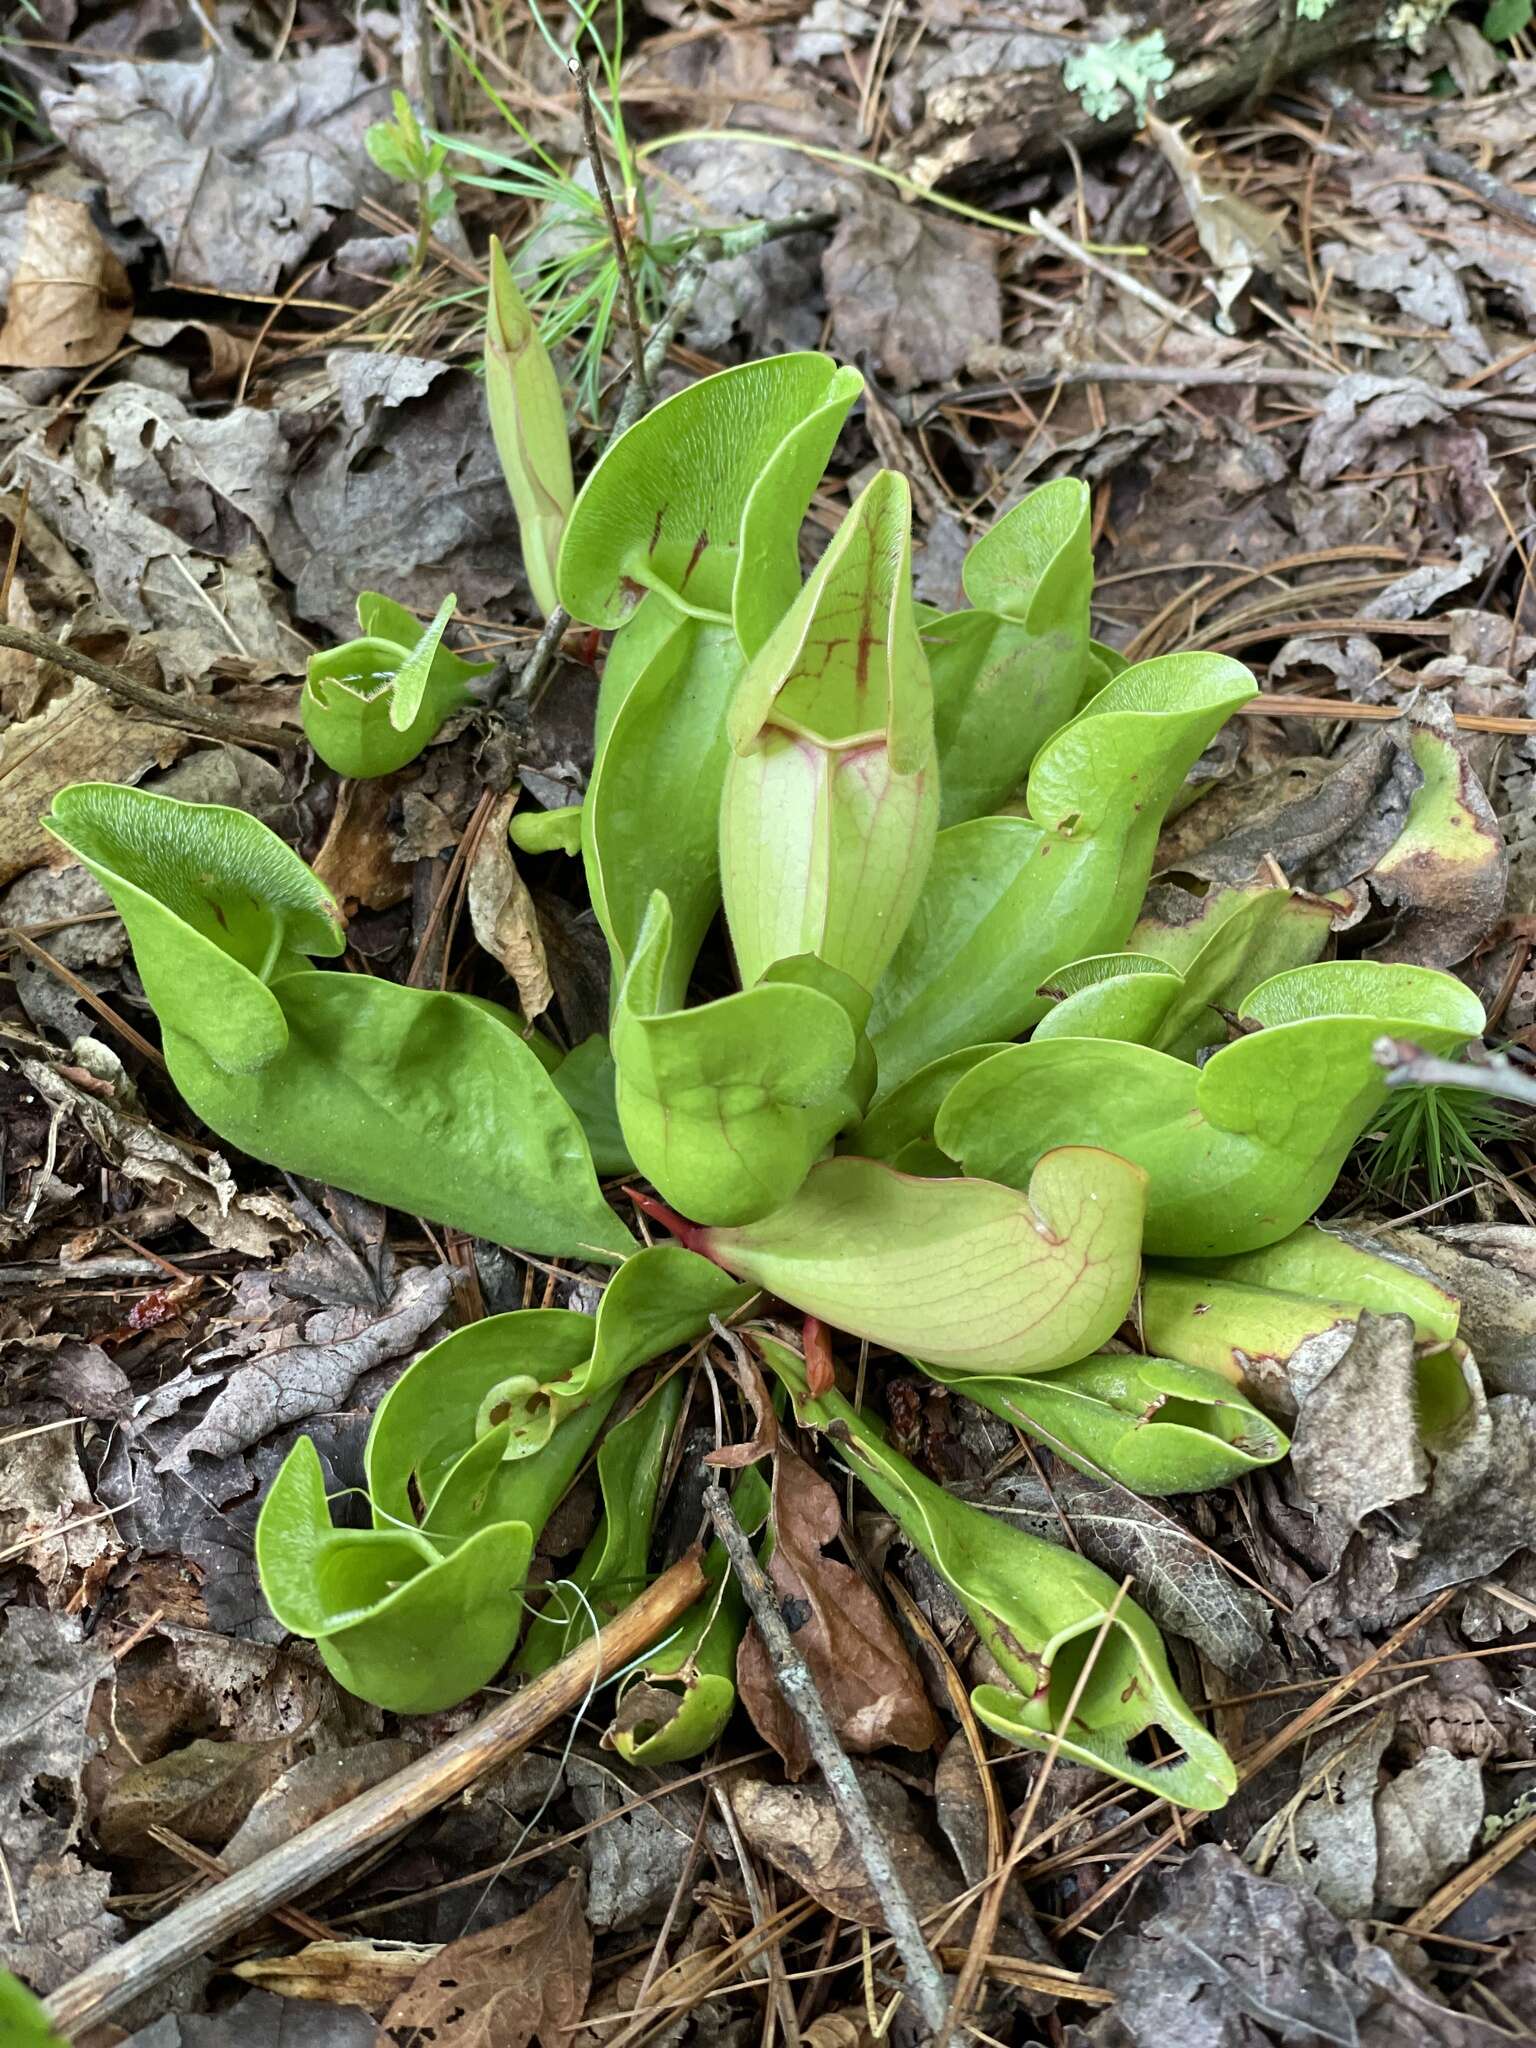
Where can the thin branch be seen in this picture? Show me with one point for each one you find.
(201, 1923)
(578, 71)
(1405, 1065)
(1246, 375)
(1445, 163)
(1133, 287)
(189, 714)
(925, 1981)
(991, 1910)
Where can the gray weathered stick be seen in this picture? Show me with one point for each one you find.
(211, 1917)
(188, 714)
(1406, 1066)
(925, 1980)
(615, 226)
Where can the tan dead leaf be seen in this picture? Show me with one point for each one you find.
(371, 1974)
(199, 1185)
(357, 861)
(81, 736)
(70, 301)
(227, 354)
(202, 1791)
(524, 1981)
(1237, 236)
(24, 680)
(838, 2030)
(870, 1686)
(314, 1787)
(502, 913)
(798, 1830)
(48, 1517)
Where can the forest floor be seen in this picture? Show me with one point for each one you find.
(1300, 380)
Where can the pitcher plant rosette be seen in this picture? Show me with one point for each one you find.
(956, 1090)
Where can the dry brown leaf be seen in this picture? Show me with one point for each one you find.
(798, 1830)
(357, 861)
(524, 1981)
(82, 736)
(838, 2030)
(203, 1791)
(502, 913)
(1237, 236)
(24, 680)
(872, 1690)
(314, 1787)
(371, 1974)
(70, 300)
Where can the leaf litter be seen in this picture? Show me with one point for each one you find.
(278, 412)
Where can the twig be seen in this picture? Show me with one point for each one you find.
(637, 374)
(924, 1979)
(13, 935)
(538, 668)
(1133, 287)
(1259, 1759)
(1243, 374)
(187, 713)
(1406, 1066)
(1462, 1887)
(199, 1925)
(1446, 163)
(1278, 705)
(991, 1910)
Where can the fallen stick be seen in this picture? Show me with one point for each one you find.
(187, 714)
(341, 1837)
(925, 1980)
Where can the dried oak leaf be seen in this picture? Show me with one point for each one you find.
(1428, 1820)
(300, 1380)
(1323, 1839)
(307, 1792)
(58, 1920)
(403, 493)
(1356, 1444)
(871, 1688)
(203, 1791)
(1491, 1270)
(525, 1981)
(1180, 1583)
(259, 2020)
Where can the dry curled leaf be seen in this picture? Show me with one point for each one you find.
(524, 1981)
(502, 913)
(70, 301)
(872, 1690)
(367, 1973)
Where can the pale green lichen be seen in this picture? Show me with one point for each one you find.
(1107, 75)
(1411, 21)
